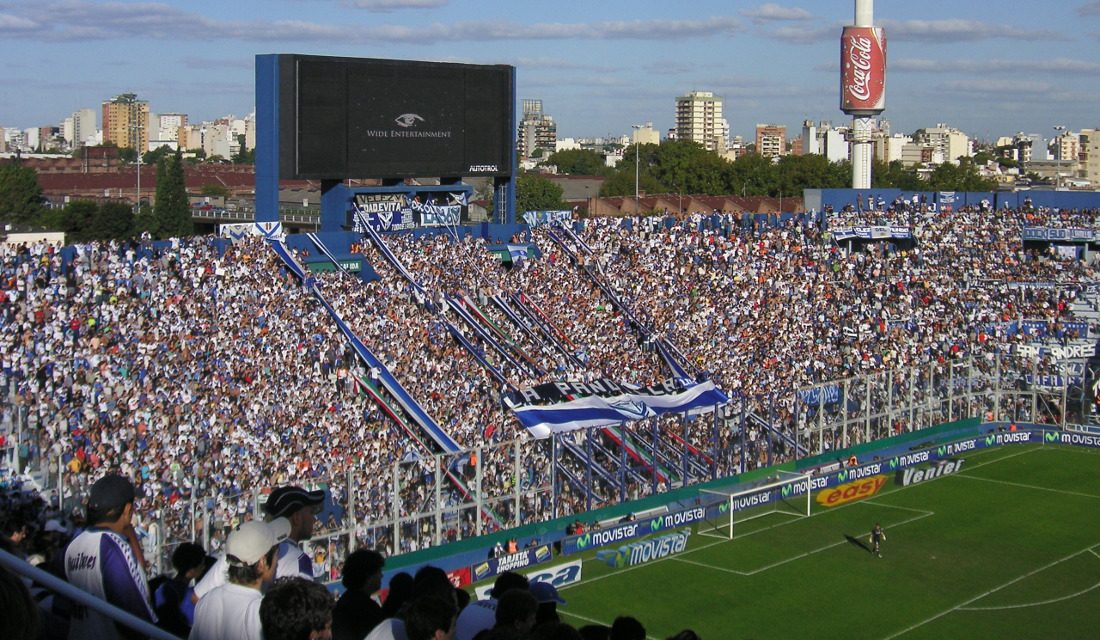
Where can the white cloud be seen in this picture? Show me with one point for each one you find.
(961, 31)
(77, 20)
(1089, 9)
(391, 5)
(1051, 66)
(807, 34)
(773, 12)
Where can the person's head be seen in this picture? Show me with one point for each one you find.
(507, 581)
(111, 502)
(296, 609)
(430, 618)
(363, 570)
(627, 628)
(547, 596)
(516, 611)
(188, 560)
(250, 552)
(400, 592)
(686, 634)
(20, 619)
(296, 505)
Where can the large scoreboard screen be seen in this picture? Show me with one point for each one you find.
(367, 118)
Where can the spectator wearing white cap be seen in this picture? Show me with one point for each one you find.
(232, 611)
(218, 574)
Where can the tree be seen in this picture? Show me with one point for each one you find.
(20, 193)
(579, 162)
(172, 213)
(536, 193)
(127, 154)
(112, 221)
(214, 190)
(243, 156)
(154, 156)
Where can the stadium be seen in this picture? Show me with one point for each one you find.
(716, 407)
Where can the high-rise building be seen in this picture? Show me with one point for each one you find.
(699, 118)
(537, 131)
(771, 140)
(84, 129)
(646, 135)
(947, 142)
(126, 122)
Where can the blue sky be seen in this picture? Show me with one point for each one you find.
(988, 67)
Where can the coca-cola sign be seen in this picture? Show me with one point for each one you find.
(862, 71)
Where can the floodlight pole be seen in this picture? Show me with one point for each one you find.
(636, 127)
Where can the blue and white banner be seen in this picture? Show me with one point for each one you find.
(539, 218)
(401, 211)
(1061, 235)
(561, 406)
(879, 232)
(826, 394)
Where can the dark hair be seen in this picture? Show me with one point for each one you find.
(507, 581)
(627, 628)
(293, 608)
(432, 581)
(555, 631)
(401, 590)
(427, 615)
(245, 574)
(360, 566)
(99, 516)
(514, 606)
(187, 556)
(20, 619)
(686, 634)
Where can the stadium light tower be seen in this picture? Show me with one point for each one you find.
(862, 85)
(635, 127)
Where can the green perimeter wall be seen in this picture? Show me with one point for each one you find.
(911, 440)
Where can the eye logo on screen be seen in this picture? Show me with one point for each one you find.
(407, 120)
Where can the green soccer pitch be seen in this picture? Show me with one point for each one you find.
(1008, 547)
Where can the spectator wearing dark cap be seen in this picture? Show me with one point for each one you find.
(170, 598)
(299, 507)
(548, 598)
(103, 562)
(356, 612)
(232, 611)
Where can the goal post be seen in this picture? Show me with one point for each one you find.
(787, 493)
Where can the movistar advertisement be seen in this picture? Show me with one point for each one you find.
(630, 530)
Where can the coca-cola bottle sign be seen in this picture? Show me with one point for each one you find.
(862, 70)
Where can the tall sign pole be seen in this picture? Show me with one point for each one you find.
(862, 85)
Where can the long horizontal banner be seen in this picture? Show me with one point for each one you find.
(879, 232)
(1064, 235)
(630, 530)
(561, 406)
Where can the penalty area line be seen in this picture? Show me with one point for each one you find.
(961, 605)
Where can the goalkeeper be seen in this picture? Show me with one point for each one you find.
(878, 536)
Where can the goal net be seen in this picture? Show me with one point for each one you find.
(788, 494)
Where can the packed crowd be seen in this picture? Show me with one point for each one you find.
(195, 365)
